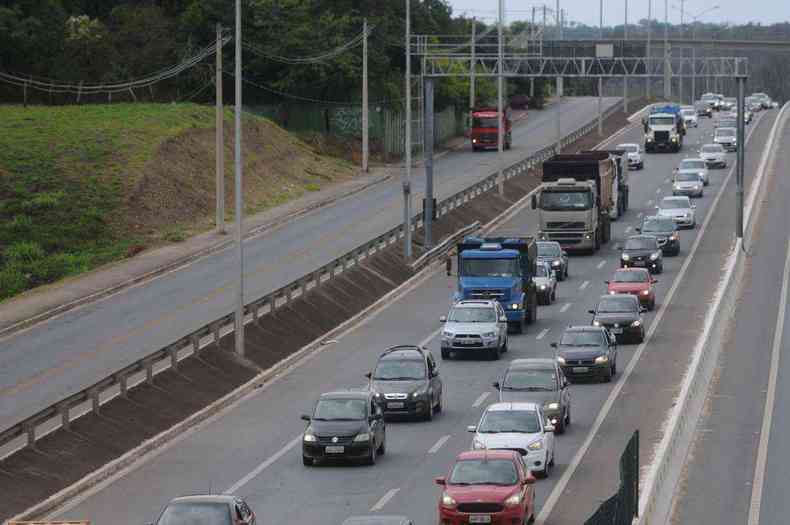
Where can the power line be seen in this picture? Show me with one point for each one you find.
(354, 42)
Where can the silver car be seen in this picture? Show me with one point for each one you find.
(546, 283)
(695, 166)
(713, 155)
(687, 184)
(521, 427)
(679, 209)
(727, 137)
(690, 117)
(474, 327)
(634, 153)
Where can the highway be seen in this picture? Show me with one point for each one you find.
(253, 449)
(68, 353)
(721, 480)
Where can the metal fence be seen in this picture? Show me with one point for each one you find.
(621, 508)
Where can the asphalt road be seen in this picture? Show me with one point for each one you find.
(71, 352)
(254, 448)
(720, 472)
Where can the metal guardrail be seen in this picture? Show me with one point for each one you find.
(211, 333)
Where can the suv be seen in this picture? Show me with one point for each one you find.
(587, 352)
(727, 137)
(545, 280)
(475, 326)
(541, 381)
(642, 251)
(406, 382)
(344, 425)
(214, 509)
(621, 314)
(552, 253)
(665, 230)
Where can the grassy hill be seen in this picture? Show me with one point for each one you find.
(81, 186)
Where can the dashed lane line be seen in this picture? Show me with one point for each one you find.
(542, 334)
(565, 307)
(384, 500)
(480, 399)
(435, 448)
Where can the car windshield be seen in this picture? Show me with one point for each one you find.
(571, 200)
(582, 338)
(630, 276)
(692, 165)
(617, 305)
(196, 513)
(658, 224)
(725, 132)
(484, 472)
(496, 421)
(399, 369)
(546, 249)
(490, 268)
(712, 149)
(471, 314)
(530, 379)
(674, 204)
(630, 148)
(640, 243)
(541, 271)
(709, 98)
(662, 121)
(688, 113)
(487, 122)
(687, 177)
(340, 409)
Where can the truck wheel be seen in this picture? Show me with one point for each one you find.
(518, 327)
(597, 241)
(533, 312)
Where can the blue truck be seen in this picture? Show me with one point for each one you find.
(500, 268)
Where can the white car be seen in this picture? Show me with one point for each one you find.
(679, 209)
(687, 184)
(634, 153)
(713, 155)
(727, 137)
(519, 426)
(690, 117)
(474, 326)
(546, 283)
(696, 166)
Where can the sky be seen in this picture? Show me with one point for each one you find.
(586, 11)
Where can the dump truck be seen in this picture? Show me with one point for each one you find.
(622, 190)
(501, 269)
(664, 129)
(485, 130)
(575, 199)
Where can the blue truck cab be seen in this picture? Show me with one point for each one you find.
(500, 268)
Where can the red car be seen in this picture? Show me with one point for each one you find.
(487, 486)
(635, 281)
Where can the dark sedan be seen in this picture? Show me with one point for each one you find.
(552, 253)
(587, 352)
(664, 230)
(642, 251)
(621, 314)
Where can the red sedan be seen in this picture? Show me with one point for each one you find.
(635, 281)
(487, 486)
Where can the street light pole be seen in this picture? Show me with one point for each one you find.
(365, 117)
(649, 79)
(407, 171)
(667, 76)
(239, 316)
(500, 98)
(220, 139)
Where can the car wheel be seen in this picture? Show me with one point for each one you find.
(567, 266)
(445, 354)
(495, 354)
(504, 346)
(641, 336)
(372, 456)
(607, 377)
(518, 327)
(383, 446)
(307, 462)
(559, 428)
(614, 367)
(429, 413)
(652, 305)
(546, 472)
(568, 416)
(439, 406)
(660, 268)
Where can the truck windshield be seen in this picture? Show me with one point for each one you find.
(479, 122)
(490, 268)
(572, 200)
(662, 121)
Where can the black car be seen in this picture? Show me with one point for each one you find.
(219, 509)
(664, 230)
(642, 251)
(539, 381)
(587, 352)
(345, 425)
(406, 382)
(552, 253)
(621, 314)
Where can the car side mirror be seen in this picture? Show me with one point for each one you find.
(565, 382)
(534, 202)
(642, 309)
(471, 428)
(305, 417)
(655, 281)
(554, 345)
(369, 375)
(377, 417)
(606, 282)
(693, 205)
(638, 230)
(443, 319)
(495, 384)
(591, 312)
(530, 479)
(548, 428)
(564, 253)
(502, 319)
(440, 481)
(656, 207)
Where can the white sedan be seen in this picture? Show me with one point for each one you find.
(714, 155)
(679, 209)
(634, 153)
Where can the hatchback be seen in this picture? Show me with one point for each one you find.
(665, 230)
(679, 209)
(214, 509)
(621, 314)
(634, 281)
(690, 184)
(727, 137)
(695, 166)
(587, 352)
(474, 326)
(714, 155)
(406, 382)
(642, 251)
(552, 253)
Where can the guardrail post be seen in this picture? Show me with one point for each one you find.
(215, 328)
(173, 351)
(30, 432)
(149, 371)
(65, 419)
(123, 385)
(95, 405)
(195, 340)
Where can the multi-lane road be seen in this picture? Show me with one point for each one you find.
(68, 353)
(253, 449)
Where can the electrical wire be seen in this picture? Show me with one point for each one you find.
(354, 42)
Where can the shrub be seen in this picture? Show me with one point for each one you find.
(23, 252)
(12, 282)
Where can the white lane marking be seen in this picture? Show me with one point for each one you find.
(264, 465)
(428, 339)
(584, 285)
(600, 264)
(628, 229)
(565, 307)
(542, 334)
(480, 399)
(435, 448)
(765, 430)
(649, 203)
(384, 500)
(559, 487)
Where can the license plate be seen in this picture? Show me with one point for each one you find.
(466, 342)
(617, 330)
(394, 405)
(638, 263)
(479, 518)
(335, 450)
(580, 369)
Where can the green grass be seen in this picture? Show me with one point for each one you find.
(63, 171)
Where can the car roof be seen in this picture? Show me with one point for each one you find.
(477, 303)
(640, 237)
(377, 520)
(487, 453)
(532, 362)
(403, 351)
(205, 498)
(346, 394)
(693, 158)
(626, 270)
(676, 198)
(509, 406)
(586, 327)
(628, 296)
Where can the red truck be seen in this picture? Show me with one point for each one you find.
(485, 130)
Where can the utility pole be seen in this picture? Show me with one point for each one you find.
(625, 77)
(667, 73)
(625, 26)
(239, 317)
(428, 150)
(220, 139)
(472, 70)
(500, 98)
(600, 21)
(682, 52)
(741, 77)
(649, 79)
(365, 109)
(407, 171)
(559, 87)
(600, 106)
(532, 79)
(558, 14)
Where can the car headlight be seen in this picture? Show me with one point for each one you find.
(362, 437)
(514, 500)
(596, 323)
(489, 335)
(676, 186)
(553, 406)
(601, 359)
(637, 323)
(542, 286)
(477, 445)
(556, 262)
(535, 445)
(625, 257)
(514, 306)
(377, 394)
(560, 360)
(612, 292)
(309, 438)
(419, 393)
(654, 256)
(674, 139)
(447, 500)
(447, 335)
(645, 292)
(673, 237)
